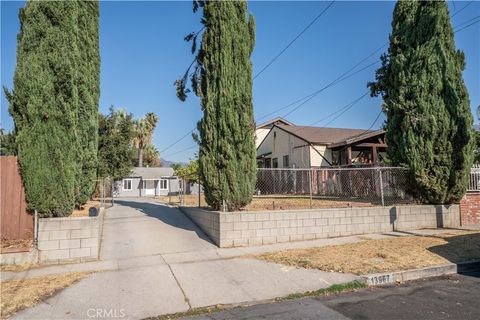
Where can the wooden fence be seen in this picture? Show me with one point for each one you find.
(16, 222)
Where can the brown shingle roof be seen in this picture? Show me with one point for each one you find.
(319, 135)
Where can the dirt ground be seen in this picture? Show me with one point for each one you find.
(15, 245)
(384, 255)
(269, 203)
(86, 207)
(20, 294)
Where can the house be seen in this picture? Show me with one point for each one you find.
(291, 146)
(263, 129)
(144, 182)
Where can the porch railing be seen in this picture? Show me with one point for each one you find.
(474, 179)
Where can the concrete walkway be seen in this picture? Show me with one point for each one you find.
(156, 261)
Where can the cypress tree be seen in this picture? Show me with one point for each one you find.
(429, 123)
(44, 104)
(88, 94)
(223, 80)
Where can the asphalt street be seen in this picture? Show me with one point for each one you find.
(450, 297)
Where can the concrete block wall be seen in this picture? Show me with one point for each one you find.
(234, 229)
(470, 208)
(69, 239)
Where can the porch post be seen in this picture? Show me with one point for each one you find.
(349, 155)
(374, 155)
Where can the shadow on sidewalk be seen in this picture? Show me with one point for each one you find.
(461, 248)
(171, 216)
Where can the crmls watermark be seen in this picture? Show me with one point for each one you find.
(105, 313)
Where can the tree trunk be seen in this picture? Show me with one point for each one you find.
(140, 157)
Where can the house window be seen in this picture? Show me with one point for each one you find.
(268, 163)
(163, 184)
(275, 163)
(286, 161)
(127, 184)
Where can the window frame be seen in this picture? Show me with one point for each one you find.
(131, 185)
(286, 164)
(275, 163)
(160, 184)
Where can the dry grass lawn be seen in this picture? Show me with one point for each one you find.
(17, 267)
(269, 203)
(20, 294)
(384, 255)
(7, 245)
(83, 212)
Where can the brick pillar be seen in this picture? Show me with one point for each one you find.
(470, 208)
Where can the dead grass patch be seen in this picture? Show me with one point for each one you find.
(20, 294)
(17, 267)
(83, 212)
(384, 255)
(268, 203)
(14, 245)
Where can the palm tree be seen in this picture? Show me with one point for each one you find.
(151, 156)
(143, 134)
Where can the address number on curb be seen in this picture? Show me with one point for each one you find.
(380, 279)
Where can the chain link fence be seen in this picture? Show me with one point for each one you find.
(331, 187)
(282, 189)
(104, 192)
(190, 193)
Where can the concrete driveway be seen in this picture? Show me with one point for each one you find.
(143, 227)
(159, 262)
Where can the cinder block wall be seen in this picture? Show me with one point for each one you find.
(235, 229)
(470, 208)
(70, 239)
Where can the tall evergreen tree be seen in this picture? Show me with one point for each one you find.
(88, 94)
(429, 122)
(44, 104)
(222, 79)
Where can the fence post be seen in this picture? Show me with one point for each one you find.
(199, 191)
(35, 229)
(381, 186)
(310, 186)
(111, 191)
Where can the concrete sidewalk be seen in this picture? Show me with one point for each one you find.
(144, 291)
(156, 261)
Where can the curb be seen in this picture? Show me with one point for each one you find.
(413, 274)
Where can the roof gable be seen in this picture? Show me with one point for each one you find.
(274, 121)
(324, 136)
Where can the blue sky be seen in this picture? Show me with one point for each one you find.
(143, 52)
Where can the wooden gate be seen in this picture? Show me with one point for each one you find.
(16, 222)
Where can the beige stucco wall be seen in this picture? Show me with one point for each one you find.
(300, 153)
(319, 156)
(260, 134)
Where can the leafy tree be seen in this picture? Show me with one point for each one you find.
(7, 143)
(44, 104)
(189, 172)
(115, 151)
(88, 95)
(429, 123)
(222, 78)
(144, 129)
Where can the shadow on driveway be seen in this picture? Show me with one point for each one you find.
(171, 216)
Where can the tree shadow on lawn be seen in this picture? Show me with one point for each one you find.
(460, 249)
(171, 216)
